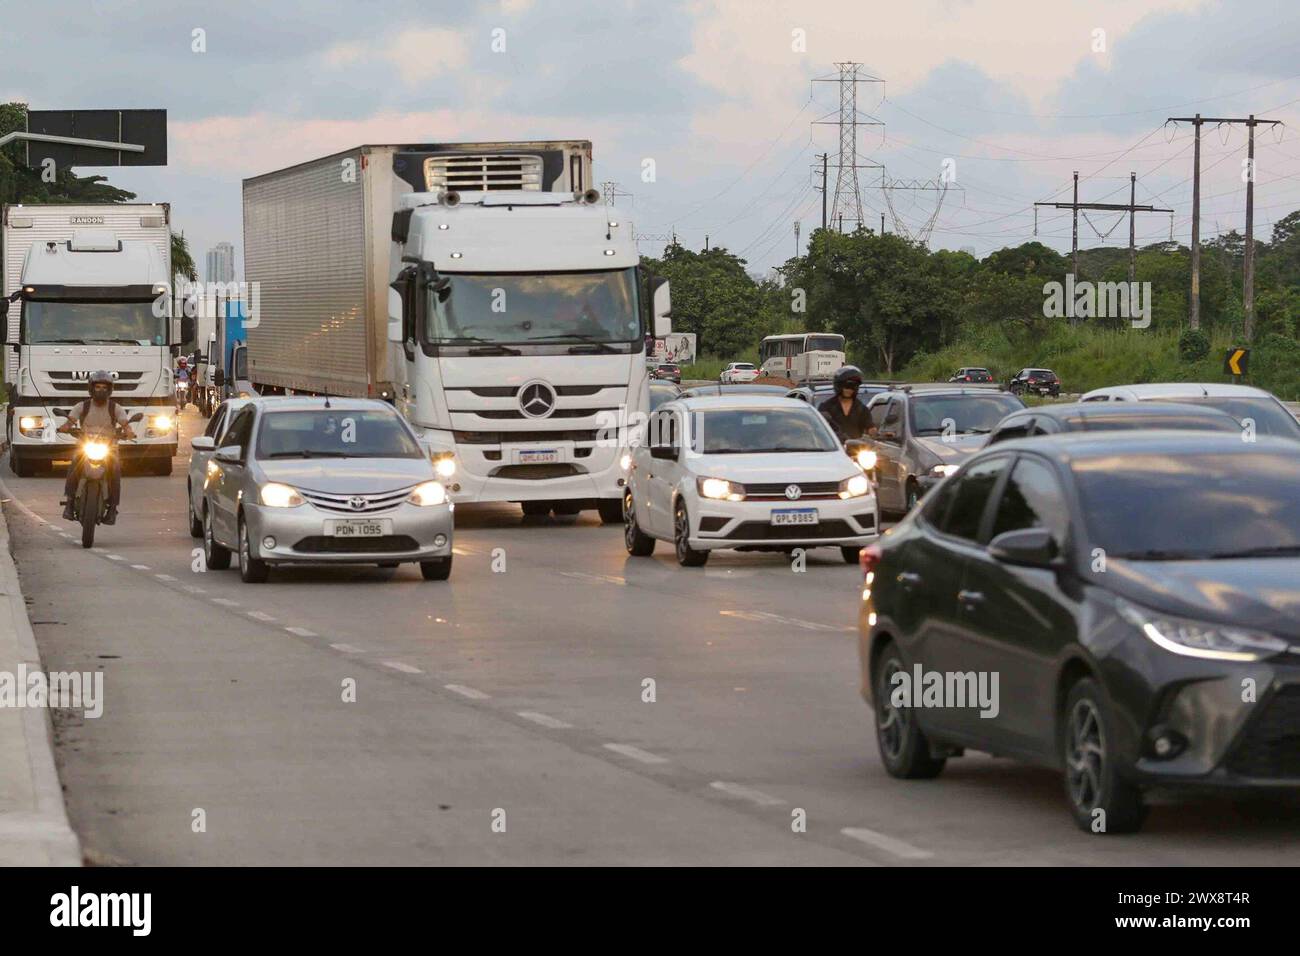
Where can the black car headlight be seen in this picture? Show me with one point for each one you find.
(1204, 639)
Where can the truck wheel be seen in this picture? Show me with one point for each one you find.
(21, 466)
(611, 510)
(439, 569)
(89, 513)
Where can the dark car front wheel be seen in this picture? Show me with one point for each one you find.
(1101, 800)
(904, 749)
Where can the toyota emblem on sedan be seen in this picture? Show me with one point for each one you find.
(357, 502)
(793, 492)
(536, 399)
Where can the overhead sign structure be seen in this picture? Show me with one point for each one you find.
(94, 138)
(1236, 362)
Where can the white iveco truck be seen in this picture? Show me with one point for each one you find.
(87, 288)
(484, 288)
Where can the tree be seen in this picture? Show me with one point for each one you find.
(182, 261)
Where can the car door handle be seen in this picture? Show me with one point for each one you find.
(909, 579)
(970, 599)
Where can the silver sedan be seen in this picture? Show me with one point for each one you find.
(323, 481)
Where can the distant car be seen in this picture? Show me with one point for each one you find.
(920, 431)
(1253, 408)
(323, 481)
(748, 472)
(201, 453)
(745, 388)
(661, 392)
(1036, 381)
(667, 371)
(816, 394)
(738, 372)
(1102, 600)
(1111, 416)
(972, 374)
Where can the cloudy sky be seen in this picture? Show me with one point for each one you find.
(1011, 96)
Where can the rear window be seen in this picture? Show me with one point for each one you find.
(1267, 414)
(1117, 423)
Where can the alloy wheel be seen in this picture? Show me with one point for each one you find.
(891, 721)
(1085, 755)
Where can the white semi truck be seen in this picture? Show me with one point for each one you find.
(87, 288)
(484, 288)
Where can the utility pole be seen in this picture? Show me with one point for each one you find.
(796, 239)
(825, 159)
(848, 192)
(882, 223)
(706, 242)
(1130, 207)
(1248, 279)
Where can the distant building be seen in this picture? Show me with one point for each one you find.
(221, 263)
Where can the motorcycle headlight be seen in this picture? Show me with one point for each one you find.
(866, 459)
(276, 495)
(95, 451)
(943, 471)
(854, 487)
(427, 494)
(1220, 642)
(720, 490)
(161, 423)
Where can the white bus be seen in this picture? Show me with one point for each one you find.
(803, 357)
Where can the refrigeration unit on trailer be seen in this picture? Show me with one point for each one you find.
(86, 288)
(484, 288)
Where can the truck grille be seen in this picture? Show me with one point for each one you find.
(342, 504)
(64, 382)
(535, 472)
(483, 172)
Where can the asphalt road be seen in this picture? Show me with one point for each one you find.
(510, 697)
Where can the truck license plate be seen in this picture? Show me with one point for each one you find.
(785, 516)
(539, 456)
(356, 528)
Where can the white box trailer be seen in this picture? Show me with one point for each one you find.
(317, 241)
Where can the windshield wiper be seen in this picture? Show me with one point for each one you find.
(118, 341)
(1277, 550)
(61, 342)
(582, 337)
(494, 349)
(487, 348)
(1156, 554)
(307, 453)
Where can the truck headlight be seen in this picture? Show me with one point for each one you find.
(95, 451)
(162, 423)
(943, 471)
(427, 494)
(31, 425)
(854, 487)
(444, 463)
(1220, 642)
(720, 490)
(276, 495)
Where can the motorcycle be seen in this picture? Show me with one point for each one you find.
(182, 396)
(90, 503)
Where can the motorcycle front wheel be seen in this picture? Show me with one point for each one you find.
(90, 504)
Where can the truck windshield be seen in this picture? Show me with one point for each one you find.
(92, 322)
(524, 308)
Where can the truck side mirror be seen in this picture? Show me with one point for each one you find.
(395, 313)
(4, 321)
(663, 307)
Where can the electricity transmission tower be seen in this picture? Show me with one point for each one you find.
(847, 204)
(940, 186)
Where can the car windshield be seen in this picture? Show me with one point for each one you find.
(744, 431)
(1269, 417)
(960, 414)
(335, 433)
(93, 323)
(1191, 506)
(565, 308)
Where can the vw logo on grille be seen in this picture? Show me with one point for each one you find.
(357, 502)
(537, 399)
(793, 492)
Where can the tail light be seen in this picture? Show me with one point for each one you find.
(869, 558)
(968, 378)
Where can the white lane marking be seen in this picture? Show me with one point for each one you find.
(194, 589)
(603, 578)
(260, 616)
(747, 793)
(880, 841)
(546, 720)
(469, 692)
(302, 632)
(768, 618)
(115, 557)
(344, 648)
(64, 534)
(99, 550)
(636, 753)
(164, 577)
(404, 668)
(141, 567)
(225, 602)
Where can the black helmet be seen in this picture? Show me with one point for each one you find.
(99, 377)
(847, 377)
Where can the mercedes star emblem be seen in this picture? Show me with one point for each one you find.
(536, 399)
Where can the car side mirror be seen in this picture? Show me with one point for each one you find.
(1030, 547)
(668, 452)
(202, 443)
(230, 453)
(394, 314)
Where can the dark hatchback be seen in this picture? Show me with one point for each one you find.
(1136, 594)
(1111, 416)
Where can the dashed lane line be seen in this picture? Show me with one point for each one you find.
(469, 692)
(545, 720)
(403, 667)
(636, 753)
(747, 793)
(881, 841)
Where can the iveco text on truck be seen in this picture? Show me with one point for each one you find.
(87, 288)
(484, 288)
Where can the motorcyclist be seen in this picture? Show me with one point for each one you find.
(97, 416)
(847, 416)
(182, 378)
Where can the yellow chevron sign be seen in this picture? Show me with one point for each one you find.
(1236, 362)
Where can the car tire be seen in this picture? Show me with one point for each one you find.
(251, 570)
(638, 543)
(912, 496)
(535, 509)
(216, 557)
(438, 569)
(850, 555)
(196, 526)
(610, 510)
(687, 556)
(904, 748)
(1092, 780)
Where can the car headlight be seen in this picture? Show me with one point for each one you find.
(276, 495)
(1220, 642)
(428, 493)
(95, 451)
(162, 423)
(943, 471)
(720, 490)
(866, 459)
(444, 463)
(854, 487)
(625, 461)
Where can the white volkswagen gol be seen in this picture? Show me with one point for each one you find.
(747, 472)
